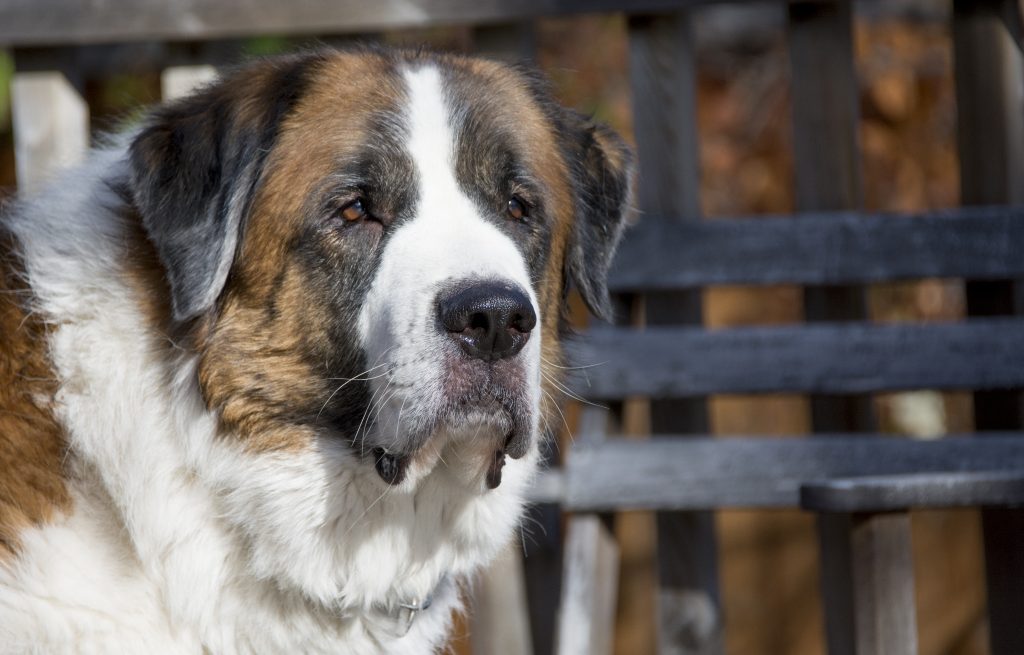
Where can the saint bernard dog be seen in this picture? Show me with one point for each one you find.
(274, 366)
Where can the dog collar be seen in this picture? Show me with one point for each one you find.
(397, 619)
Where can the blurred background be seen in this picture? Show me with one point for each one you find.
(768, 560)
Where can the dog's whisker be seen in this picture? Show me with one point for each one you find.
(346, 383)
(558, 409)
(366, 412)
(570, 368)
(569, 393)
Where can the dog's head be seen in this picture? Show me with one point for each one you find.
(371, 251)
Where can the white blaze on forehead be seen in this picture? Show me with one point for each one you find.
(431, 142)
(469, 245)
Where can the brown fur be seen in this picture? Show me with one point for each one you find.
(245, 344)
(32, 443)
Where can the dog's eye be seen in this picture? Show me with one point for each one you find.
(517, 209)
(354, 211)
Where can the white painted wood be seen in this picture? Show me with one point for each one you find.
(51, 126)
(178, 81)
(499, 615)
(589, 589)
(590, 571)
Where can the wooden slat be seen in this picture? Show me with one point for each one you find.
(821, 248)
(886, 493)
(590, 575)
(716, 473)
(989, 67)
(827, 167)
(883, 575)
(498, 605)
(179, 81)
(827, 177)
(106, 60)
(511, 42)
(825, 107)
(589, 589)
(663, 76)
(830, 358)
(55, 22)
(51, 126)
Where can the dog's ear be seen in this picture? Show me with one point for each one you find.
(194, 167)
(602, 170)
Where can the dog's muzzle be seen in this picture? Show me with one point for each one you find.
(485, 325)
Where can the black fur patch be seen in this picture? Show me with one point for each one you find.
(194, 169)
(601, 165)
(602, 181)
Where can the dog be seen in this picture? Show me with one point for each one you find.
(276, 363)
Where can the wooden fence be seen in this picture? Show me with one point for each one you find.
(830, 246)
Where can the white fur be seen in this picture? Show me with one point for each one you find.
(180, 542)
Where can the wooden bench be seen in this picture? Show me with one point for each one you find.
(867, 580)
(829, 246)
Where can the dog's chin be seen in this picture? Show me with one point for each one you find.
(470, 437)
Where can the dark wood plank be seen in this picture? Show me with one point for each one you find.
(827, 169)
(1004, 560)
(716, 473)
(885, 493)
(835, 559)
(883, 576)
(56, 22)
(988, 65)
(827, 163)
(825, 109)
(663, 78)
(990, 129)
(511, 42)
(821, 248)
(831, 358)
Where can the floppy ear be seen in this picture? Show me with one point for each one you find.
(603, 170)
(194, 167)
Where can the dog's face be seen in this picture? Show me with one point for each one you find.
(371, 251)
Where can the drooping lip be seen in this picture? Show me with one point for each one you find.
(514, 419)
(501, 412)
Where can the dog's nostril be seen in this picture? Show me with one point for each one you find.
(524, 322)
(479, 321)
(489, 320)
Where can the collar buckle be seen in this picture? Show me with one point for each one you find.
(406, 614)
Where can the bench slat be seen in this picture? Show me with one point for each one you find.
(887, 493)
(821, 248)
(828, 358)
(66, 22)
(710, 473)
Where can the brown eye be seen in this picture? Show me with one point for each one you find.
(353, 211)
(517, 209)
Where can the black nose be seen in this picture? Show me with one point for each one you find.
(489, 320)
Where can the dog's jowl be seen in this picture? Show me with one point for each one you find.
(275, 364)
